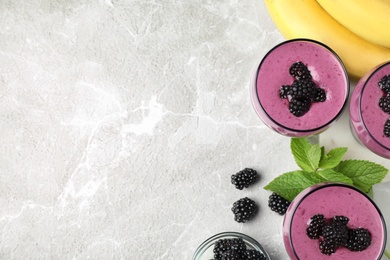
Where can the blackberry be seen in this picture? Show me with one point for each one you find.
(320, 95)
(252, 254)
(299, 106)
(386, 129)
(303, 89)
(284, 91)
(335, 234)
(244, 178)
(300, 72)
(314, 230)
(341, 220)
(222, 246)
(278, 204)
(384, 104)
(384, 83)
(244, 209)
(327, 248)
(231, 255)
(238, 245)
(358, 239)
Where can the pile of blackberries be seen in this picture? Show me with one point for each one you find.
(335, 233)
(235, 249)
(303, 91)
(244, 209)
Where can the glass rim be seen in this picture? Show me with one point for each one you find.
(360, 104)
(346, 93)
(329, 184)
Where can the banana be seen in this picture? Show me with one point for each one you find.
(307, 19)
(369, 19)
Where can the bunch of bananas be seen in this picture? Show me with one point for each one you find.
(357, 30)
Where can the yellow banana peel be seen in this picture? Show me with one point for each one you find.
(369, 19)
(307, 19)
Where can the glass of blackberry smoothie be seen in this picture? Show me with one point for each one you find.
(334, 221)
(300, 88)
(370, 110)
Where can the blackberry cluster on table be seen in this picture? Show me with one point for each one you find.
(335, 233)
(278, 204)
(303, 91)
(235, 249)
(244, 209)
(244, 178)
(384, 101)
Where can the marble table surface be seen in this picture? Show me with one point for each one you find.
(122, 122)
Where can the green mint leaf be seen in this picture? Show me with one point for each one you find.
(300, 148)
(313, 177)
(314, 156)
(290, 184)
(333, 176)
(332, 158)
(363, 173)
(322, 154)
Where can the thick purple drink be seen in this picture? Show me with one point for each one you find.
(367, 118)
(332, 199)
(327, 72)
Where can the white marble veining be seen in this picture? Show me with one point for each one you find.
(122, 122)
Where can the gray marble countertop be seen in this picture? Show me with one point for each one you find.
(122, 122)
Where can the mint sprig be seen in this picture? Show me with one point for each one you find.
(318, 166)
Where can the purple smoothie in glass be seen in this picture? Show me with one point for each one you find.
(328, 73)
(367, 119)
(332, 199)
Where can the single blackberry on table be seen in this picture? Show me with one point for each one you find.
(283, 92)
(252, 254)
(327, 248)
(314, 230)
(358, 239)
(300, 71)
(384, 83)
(386, 129)
(335, 234)
(278, 203)
(384, 104)
(244, 178)
(320, 95)
(299, 106)
(244, 209)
